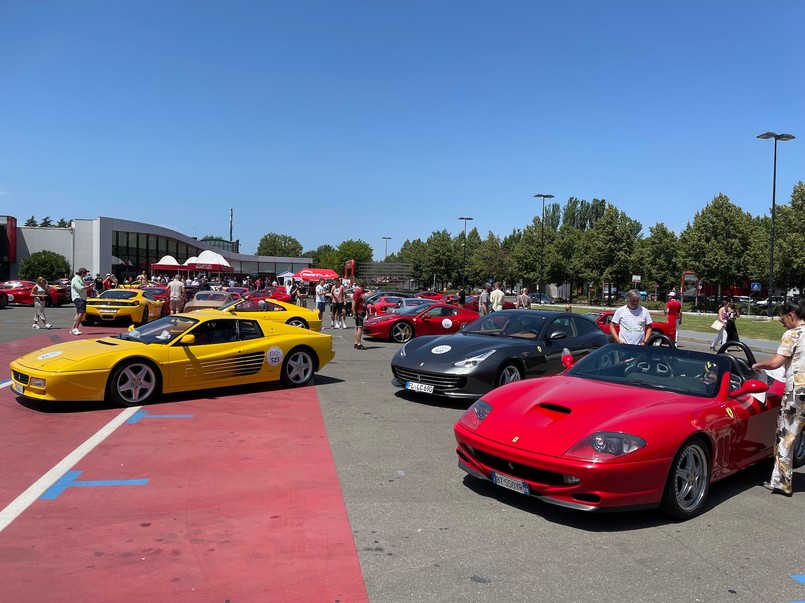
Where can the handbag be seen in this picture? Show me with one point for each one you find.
(717, 325)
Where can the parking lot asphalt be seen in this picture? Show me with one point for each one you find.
(424, 531)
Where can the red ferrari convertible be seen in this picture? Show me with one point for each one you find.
(625, 427)
(278, 293)
(430, 319)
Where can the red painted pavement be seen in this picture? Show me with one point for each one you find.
(242, 502)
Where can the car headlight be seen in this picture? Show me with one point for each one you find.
(37, 382)
(476, 413)
(605, 446)
(474, 361)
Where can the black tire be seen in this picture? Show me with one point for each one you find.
(298, 322)
(134, 383)
(799, 450)
(3, 301)
(509, 373)
(298, 367)
(688, 481)
(402, 331)
(144, 319)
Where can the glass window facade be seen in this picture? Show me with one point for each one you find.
(134, 252)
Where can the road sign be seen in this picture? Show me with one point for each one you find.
(755, 287)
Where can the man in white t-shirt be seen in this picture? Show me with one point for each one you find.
(633, 320)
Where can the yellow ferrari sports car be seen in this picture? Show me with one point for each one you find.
(272, 309)
(135, 305)
(177, 353)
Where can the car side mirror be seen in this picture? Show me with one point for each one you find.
(558, 335)
(750, 386)
(567, 358)
(187, 340)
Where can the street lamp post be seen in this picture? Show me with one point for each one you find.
(542, 239)
(386, 239)
(776, 137)
(464, 268)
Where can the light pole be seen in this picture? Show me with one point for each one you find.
(464, 268)
(542, 240)
(386, 239)
(776, 137)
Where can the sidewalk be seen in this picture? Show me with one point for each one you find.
(756, 345)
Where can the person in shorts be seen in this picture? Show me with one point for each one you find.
(337, 294)
(78, 293)
(321, 298)
(359, 313)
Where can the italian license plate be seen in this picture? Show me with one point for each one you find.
(510, 483)
(18, 388)
(415, 386)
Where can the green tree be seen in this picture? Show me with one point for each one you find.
(279, 245)
(414, 253)
(49, 264)
(46, 222)
(714, 245)
(62, 223)
(359, 250)
(324, 256)
(489, 259)
(789, 252)
(608, 247)
(656, 258)
(439, 262)
(31, 221)
(563, 258)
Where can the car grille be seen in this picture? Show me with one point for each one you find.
(437, 380)
(20, 377)
(525, 472)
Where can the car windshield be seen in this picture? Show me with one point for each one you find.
(161, 331)
(510, 324)
(408, 310)
(210, 296)
(654, 367)
(118, 294)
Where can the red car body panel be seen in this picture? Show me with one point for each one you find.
(432, 319)
(430, 295)
(537, 423)
(382, 304)
(471, 303)
(278, 293)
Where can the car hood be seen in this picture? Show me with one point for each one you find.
(88, 354)
(457, 346)
(550, 415)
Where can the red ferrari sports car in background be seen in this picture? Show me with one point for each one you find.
(603, 319)
(430, 295)
(382, 304)
(269, 292)
(625, 427)
(471, 303)
(19, 292)
(429, 319)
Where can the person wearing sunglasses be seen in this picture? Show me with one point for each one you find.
(791, 354)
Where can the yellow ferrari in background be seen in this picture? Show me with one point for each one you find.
(135, 305)
(177, 353)
(272, 309)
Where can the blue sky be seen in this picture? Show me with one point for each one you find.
(342, 120)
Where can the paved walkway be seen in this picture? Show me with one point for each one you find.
(756, 345)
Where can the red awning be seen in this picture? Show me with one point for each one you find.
(314, 274)
(209, 267)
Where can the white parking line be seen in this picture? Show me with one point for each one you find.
(24, 500)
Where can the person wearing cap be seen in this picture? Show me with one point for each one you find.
(673, 309)
(78, 293)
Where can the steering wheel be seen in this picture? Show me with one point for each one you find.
(652, 366)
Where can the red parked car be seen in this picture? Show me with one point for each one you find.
(270, 292)
(430, 295)
(471, 303)
(159, 292)
(19, 292)
(431, 319)
(626, 427)
(382, 304)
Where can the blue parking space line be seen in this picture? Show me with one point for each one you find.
(135, 418)
(5, 382)
(800, 578)
(70, 479)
